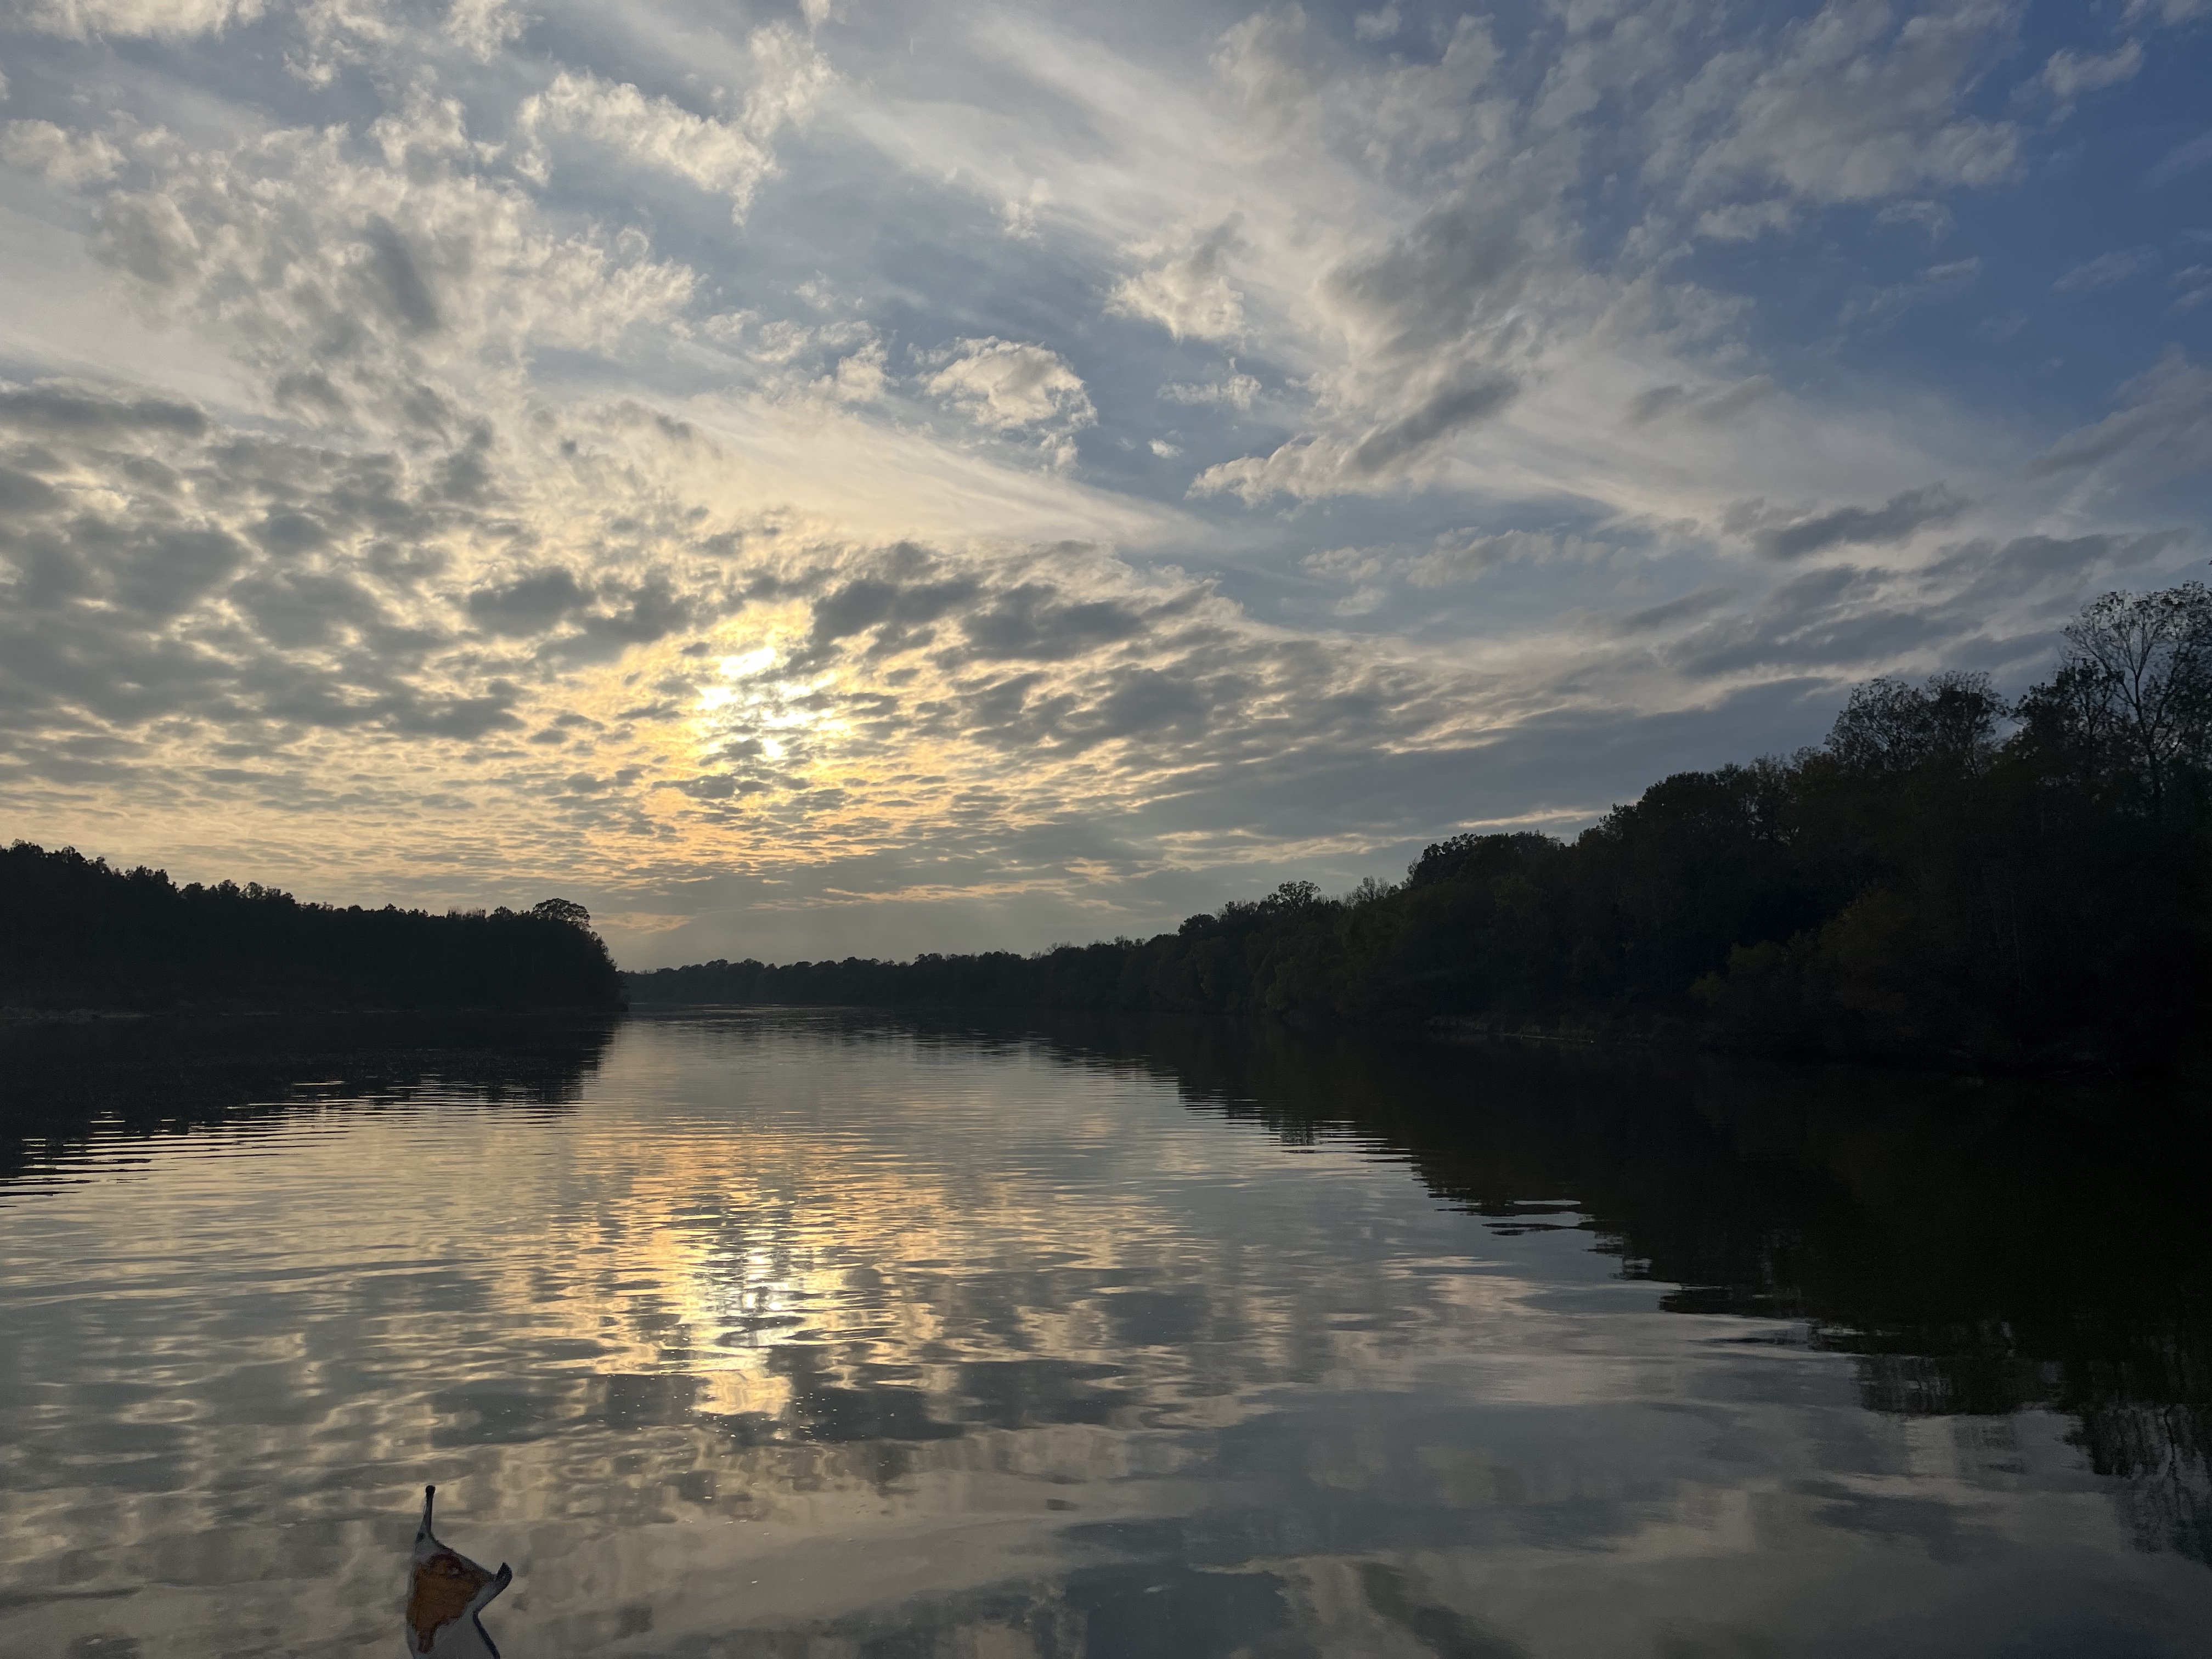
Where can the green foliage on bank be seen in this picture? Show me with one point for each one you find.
(1948, 877)
(76, 933)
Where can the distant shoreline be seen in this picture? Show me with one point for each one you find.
(84, 939)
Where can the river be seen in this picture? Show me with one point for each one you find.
(815, 1333)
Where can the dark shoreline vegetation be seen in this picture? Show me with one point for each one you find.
(1951, 878)
(78, 934)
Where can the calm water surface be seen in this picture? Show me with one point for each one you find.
(789, 1334)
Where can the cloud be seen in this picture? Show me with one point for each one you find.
(1657, 618)
(1433, 320)
(482, 28)
(1187, 294)
(1897, 519)
(1855, 106)
(530, 604)
(1827, 621)
(728, 159)
(1034, 622)
(62, 409)
(1457, 274)
(1315, 467)
(861, 377)
(1380, 24)
(1444, 412)
(2163, 428)
(338, 276)
(1744, 221)
(1059, 685)
(1008, 386)
(69, 159)
(2190, 156)
(173, 576)
(1351, 563)
(906, 599)
(1453, 558)
(649, 132)
(1237, 392)
(1707, 406)
(1983, 573)
(1932, 217)
(2106, 270)
(1457, 561)
(1936, 283)
(2067, 75)
(2166, 11)
(161, 20)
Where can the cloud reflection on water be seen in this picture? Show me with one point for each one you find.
(796, 1335)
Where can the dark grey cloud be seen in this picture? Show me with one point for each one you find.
(870, 601)
(21, 492)
(1895, 520)
(404, 289)
(287, 531)
(530, 604)
(145, 235)
(1653, 618)
(413, 714)
(1985, 573)
(1832, 621)
(312, 395)
(157, 571)
(633, 613)
(1447, 410)
(60, 411)
(1038, 623)
(2164, 425)
(1649, 405)
(1463, 265)
(234, 587)
(294, 609)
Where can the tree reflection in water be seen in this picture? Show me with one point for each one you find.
(62, 1083)
(1981, 1248)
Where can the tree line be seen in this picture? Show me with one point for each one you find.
(78, 933)
(1951, 876)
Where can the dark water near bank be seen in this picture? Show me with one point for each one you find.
(789, 1334)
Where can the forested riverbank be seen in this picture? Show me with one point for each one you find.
(1950, 877)
(76, 933)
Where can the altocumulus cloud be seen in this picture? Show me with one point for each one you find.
(801, 483)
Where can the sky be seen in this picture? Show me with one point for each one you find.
(849, 478)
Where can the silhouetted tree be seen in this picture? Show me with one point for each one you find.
(2132, 702)
(76, 933)
(1890, 726)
